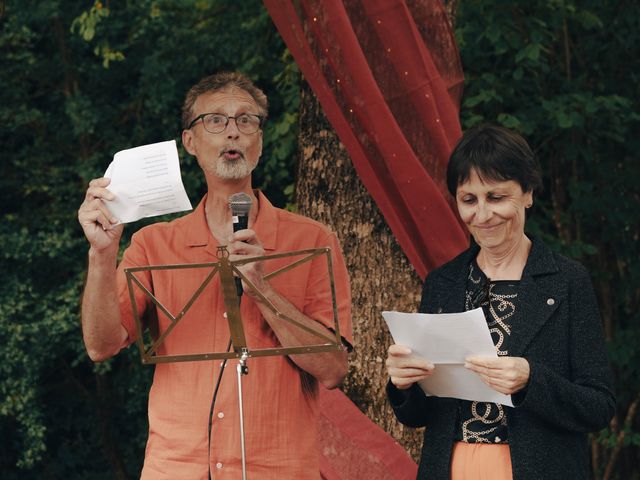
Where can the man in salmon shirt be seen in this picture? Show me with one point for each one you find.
(191, 436)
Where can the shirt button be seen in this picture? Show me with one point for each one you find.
(224, 314)
(550, 301)
(220, 415)
(218, 465)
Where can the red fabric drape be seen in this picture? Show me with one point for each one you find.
(388, 76)
(355, 448)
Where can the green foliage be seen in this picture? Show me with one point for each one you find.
(566, 75)
(83, 80)
(80, 82)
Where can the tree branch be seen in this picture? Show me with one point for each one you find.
(567, 50)
(615, 454)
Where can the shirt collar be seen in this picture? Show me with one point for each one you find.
(265, 226)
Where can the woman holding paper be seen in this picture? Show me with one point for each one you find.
(542, 314)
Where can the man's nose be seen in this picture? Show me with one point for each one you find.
(232, 129)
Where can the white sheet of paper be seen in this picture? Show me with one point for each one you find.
(446, 339)
(146, 182)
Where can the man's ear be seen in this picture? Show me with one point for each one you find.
(187, 141)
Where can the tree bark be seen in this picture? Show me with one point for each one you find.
(329, 190)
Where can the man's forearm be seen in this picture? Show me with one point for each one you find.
(102, 331)
(329, 368)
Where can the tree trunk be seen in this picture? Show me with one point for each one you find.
(329, 190)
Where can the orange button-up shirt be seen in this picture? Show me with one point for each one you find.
(279, 416)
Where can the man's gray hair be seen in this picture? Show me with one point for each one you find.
(219, 82)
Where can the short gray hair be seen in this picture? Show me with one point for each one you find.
(218, 82)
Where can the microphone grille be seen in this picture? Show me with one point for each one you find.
(240, 203)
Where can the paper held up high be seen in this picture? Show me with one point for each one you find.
(446, 339)
(146, 182)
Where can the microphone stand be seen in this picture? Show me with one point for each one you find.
(242, 369)
(240, 204)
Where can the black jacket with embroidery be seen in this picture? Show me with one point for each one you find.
(570, 389)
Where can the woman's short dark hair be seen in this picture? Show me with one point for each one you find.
(495, 153)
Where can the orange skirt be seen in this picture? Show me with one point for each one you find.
(480, 461)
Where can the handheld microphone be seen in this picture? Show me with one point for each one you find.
(240, 204)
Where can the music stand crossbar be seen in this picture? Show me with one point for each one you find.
(227, 270)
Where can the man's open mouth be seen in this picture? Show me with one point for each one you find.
(231, 153)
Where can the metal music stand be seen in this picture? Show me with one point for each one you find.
(227, 269)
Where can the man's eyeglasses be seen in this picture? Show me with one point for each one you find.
(482, 295)
(247, 123)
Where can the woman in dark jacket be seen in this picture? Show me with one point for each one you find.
(543, 317)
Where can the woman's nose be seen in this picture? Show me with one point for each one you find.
(483, 212)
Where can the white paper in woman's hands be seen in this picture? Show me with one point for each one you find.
(446, 339)
(146, 182)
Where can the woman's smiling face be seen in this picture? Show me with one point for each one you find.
(494, 211)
